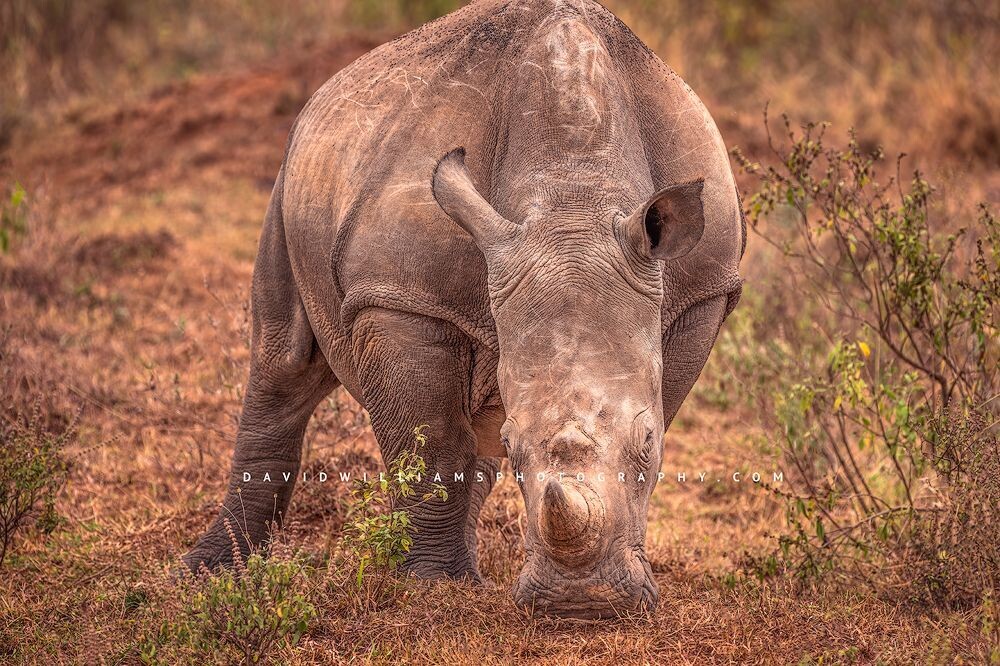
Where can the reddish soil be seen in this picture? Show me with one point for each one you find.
(232, 124)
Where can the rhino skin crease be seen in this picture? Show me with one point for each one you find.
(516, 225)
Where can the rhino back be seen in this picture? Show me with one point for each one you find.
(361, 222)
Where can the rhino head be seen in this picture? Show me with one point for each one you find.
(575, 291)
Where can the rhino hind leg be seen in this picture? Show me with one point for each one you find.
(289, 376)
(415, 370)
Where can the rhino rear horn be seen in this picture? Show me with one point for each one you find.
(458, 197)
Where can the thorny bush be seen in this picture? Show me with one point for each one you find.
(890, 434)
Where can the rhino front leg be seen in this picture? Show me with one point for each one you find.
(289, 376)
(415, 370)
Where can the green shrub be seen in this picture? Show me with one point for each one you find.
(247, 613)
(879, 268)
(879, 478)
(33, 469)
(953, 549)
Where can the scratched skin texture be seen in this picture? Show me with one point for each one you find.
(549, 293)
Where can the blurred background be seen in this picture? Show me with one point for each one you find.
(913, 74)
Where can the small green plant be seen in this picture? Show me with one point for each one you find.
(378, 534)
(247, 613)
(33, 469)
(13, 217)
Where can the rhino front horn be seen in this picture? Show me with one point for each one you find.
(571, 522)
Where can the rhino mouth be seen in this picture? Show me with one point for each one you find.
(618, 587)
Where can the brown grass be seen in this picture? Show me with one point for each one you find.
(128, 298)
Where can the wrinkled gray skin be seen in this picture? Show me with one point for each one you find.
(550, 293)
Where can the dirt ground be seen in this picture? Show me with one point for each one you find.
(129, 301)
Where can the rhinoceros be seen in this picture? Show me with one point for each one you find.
(517, 226)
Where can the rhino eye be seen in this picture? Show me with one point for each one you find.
(514, 454)
(646, 451)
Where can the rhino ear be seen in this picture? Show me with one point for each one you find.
(455, 193)
(670, 223)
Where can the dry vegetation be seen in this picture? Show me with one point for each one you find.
(146, 137)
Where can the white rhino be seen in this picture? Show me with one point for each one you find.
(516, 225)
